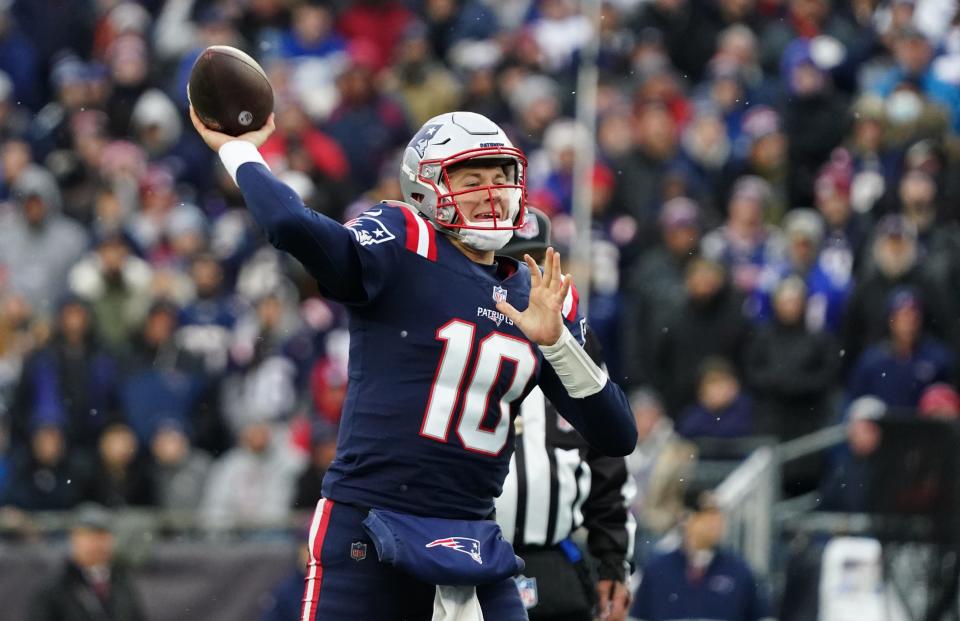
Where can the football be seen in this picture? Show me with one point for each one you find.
(229, 91)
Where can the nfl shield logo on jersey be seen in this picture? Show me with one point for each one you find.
(358, 550)
(499, 294)
(528, 591)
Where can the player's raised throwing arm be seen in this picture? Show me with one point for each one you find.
(323, 245)
(581, 391)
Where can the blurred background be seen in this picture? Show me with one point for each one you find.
(770, 230)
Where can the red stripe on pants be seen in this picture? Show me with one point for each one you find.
(318, 529)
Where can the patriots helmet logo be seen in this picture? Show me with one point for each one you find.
(499, 294)
(423, 137)
(470, 547)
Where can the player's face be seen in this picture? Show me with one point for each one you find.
(486, 202)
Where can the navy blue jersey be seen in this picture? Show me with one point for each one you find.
(436, 372)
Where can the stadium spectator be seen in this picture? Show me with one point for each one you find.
(688, 38)
(163, 219)
(896, 264)
(121, 473)
(721, 409)
(707, 154)
(261, 382)
(847, 229)
(206, 324)
(789, 368)
(828, 283)
(875, 160)
(128, 61)
(655, 290)
(179, 471)
(116, 285)
(311, 33)
(938, 238)
(300, 146)
(46, 475)
(814, 115)
(93, 584)
(162, 380)
(376, 24)
(745, 244)
(39, 244)
(638, 188)
(805, 20)
(254, 483)
(71, 382)
(367, 124)
(699, 579)
(847, 483)
(661, 465)
(425, 86)
(451, 21)
(899, 368)
(792, 369)
(761, 151)
(913, 52)
(710, 323)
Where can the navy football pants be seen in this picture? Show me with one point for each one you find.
(347, 582)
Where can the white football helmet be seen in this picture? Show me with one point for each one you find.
(454, 138)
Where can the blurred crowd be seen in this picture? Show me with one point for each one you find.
(775, 206)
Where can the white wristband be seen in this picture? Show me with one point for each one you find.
(237, 152)
(579, 373)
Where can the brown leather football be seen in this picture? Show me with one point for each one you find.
(229, 91)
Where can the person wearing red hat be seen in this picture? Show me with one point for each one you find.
(940, 401)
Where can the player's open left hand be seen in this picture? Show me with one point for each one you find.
(215, 139)
(542, 322)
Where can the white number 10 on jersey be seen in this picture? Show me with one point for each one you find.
(458, 337)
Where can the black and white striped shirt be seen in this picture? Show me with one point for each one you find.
(557, 484)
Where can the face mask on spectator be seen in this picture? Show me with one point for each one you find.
(904, 107)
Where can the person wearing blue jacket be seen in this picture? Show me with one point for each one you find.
(699, 580)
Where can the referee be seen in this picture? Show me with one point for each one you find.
(557, 484)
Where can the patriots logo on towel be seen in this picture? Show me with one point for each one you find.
(468, 546)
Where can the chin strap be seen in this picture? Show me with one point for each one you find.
(480, 239)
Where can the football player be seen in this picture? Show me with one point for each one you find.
(440, 360)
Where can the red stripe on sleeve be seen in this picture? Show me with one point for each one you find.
(572, 314)
(431, 241)
(413, 233)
